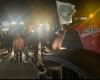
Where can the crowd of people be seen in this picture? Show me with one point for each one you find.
(24, 42)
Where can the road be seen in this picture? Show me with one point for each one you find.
(10, 70)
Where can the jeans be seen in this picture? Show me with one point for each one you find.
(9, 50)
(26, 54)
(36, 54)
(16, 51)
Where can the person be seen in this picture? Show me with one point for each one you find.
(35, 45)
(1, 39)
(26, 47)
(4, 39)
(43, 38)
(71, 39)
(58, 40)
(18, 45)
(54, 34)
(43, 41)
(30, 42)
(35, 48)
(9, 42)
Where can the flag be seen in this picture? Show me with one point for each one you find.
(65, 12)
(90, 36)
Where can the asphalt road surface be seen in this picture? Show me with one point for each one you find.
(10, 70)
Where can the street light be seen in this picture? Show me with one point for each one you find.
(41, 24)
(48, 26)
(13, 22)
(91, 15)
(63, 48)
(83, 18)
(22, 23)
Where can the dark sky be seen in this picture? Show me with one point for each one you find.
(28, 9)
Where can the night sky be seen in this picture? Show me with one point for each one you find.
(29, 9)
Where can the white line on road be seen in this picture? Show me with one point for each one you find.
(3, 52)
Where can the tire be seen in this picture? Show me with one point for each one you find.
(83, 62)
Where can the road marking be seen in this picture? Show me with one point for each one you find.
(2, 50)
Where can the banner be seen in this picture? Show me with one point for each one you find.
(90, 36)
(65, 12)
